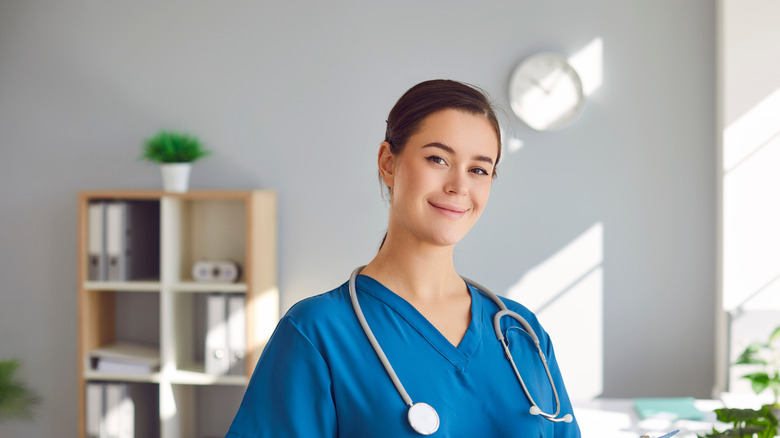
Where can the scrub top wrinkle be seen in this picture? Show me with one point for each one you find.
(458, 355)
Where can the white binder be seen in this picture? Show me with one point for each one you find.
(94, 409)
(117, 240)
(96, 250)
(216, 351)
(126, 414)
(236, 322)
(113, 416)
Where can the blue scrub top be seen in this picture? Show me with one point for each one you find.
(319, 376)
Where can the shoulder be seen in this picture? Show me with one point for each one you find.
(520, 310)
(324, 312)
(526, 313)
(322, 304)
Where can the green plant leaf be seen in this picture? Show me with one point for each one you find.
(750, 355)
(775, 335)
(759, 381)
(173, 147)
(714, 434)
(744, 432)
(731, 415)
(16, 399)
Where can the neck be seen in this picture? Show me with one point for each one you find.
(417, 271)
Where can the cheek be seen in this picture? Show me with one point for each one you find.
(482, 193)
(413, 178)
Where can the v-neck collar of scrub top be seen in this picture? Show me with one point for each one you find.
(458, 356)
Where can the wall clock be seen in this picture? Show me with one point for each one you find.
(545, 92)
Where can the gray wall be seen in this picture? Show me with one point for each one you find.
(293, 96)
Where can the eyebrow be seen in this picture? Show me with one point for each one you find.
(444, 147)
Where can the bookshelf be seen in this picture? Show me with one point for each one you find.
(167, 311)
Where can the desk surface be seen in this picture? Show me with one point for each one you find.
(618, 418)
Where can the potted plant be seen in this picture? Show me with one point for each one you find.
(175, 152)
(763, 422)
(766, 356)
(16, 399)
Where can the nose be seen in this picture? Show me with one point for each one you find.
(456, 184)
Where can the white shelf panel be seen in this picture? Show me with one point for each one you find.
(123, 377)
(196, 376)
(128, 286)
(191, 286)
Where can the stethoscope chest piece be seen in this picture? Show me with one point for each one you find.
(423, 418)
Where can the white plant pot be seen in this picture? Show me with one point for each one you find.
(176, 176)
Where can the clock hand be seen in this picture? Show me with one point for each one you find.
(558, 76)
(539, 85)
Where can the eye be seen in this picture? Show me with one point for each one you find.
(479, 171)
(436, 160)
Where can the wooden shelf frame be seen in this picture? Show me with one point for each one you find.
(252, 232)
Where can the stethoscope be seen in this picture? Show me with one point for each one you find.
(422, 416)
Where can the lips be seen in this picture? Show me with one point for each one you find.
(449, 210)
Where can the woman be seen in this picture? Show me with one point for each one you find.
(320, 376)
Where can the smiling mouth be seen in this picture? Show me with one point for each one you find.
(451, 211)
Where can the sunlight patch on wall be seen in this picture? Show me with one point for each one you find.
(751, 208)
(589, 63)
(755, 129)
(566, 292)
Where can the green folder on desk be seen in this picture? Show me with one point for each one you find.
(679, 408)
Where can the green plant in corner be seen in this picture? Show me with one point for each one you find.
(16, 399)
(746, 423)
(173, 147)
(767, 356)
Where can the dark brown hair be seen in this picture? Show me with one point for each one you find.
(429, 97)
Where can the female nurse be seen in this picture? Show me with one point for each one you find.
(319, 375)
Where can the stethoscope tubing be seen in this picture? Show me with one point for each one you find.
(372, 339)
(504, 311)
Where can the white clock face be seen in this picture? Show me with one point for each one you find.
(545, 92)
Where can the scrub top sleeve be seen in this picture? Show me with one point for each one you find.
(562, 430)
(289, 394)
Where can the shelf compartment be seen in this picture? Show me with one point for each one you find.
(201, 229)
(188, 328)
(124, 317)
(202, 411)
(123, 240)
(115, 405)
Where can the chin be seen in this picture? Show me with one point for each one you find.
(446, 239)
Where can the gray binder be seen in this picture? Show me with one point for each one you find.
(216, 351)
(118, 248)
(236, 324)
(96, 242)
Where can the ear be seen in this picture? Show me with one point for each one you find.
(386, 163)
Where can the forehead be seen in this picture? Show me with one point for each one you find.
(459, 130)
